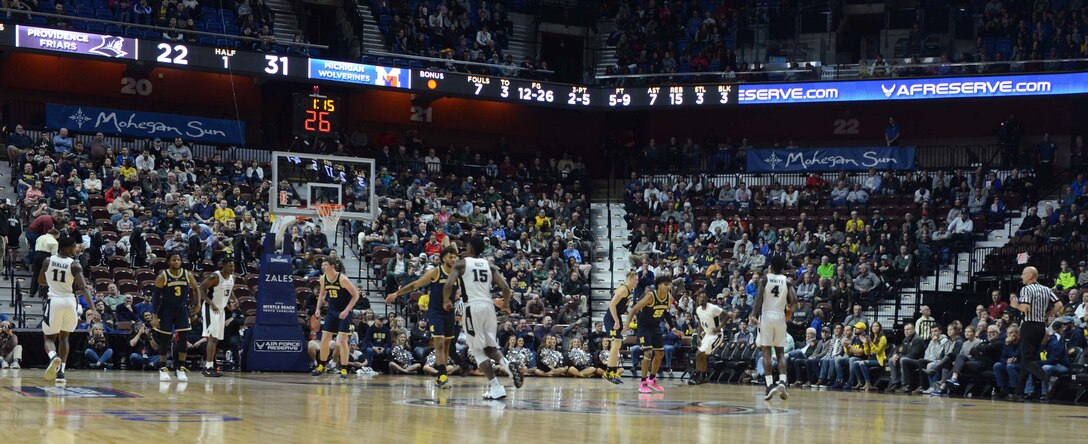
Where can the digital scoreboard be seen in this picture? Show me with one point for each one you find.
(316, 114)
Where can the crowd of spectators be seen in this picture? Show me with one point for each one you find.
(532, 214)
(671, 37)
(130, 206)
(851, 238)
(466, 30)
(937, 359)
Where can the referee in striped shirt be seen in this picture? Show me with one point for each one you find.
(1036, 300)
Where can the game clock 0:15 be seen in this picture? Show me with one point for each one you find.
(316, 115)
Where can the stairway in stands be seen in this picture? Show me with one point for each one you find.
(949, 278)
(285, 20)
(606, 218)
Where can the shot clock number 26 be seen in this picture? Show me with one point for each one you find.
(316, 115)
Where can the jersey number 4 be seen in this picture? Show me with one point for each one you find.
(774, 291)
(480, 275)
(60, 275)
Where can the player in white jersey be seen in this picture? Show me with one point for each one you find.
(476, 276)
(774, 296)
(709, 316)
(218, 290)
(64, 276)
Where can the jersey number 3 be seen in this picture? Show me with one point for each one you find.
(60, 275)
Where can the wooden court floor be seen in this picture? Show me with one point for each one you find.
(117, 406)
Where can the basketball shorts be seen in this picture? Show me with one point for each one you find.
(441, 323)
(213, 323)
(480, 325)
(651, 337)
(614, 331)
(61, 315)
(709, 343)
(772, 331)
(173, 318)
(333, 324)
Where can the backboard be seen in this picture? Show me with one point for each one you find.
(300, 180)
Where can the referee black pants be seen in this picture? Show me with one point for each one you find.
(1031, 340)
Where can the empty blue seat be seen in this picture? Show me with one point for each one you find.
(103, 14)
(96, 27)
(208, 41)
(384, 61)
(114, 30)
(400, 63)
(369, 60)
(416, 64)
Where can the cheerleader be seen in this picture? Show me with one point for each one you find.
(600, 360)
(430, 368)
(403, 359)
(517, 353)
(581, 362)
(550, 360)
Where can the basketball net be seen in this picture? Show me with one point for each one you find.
(329, 215)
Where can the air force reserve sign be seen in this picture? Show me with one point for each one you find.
(276, 343)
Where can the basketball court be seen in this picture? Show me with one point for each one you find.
(120, 406)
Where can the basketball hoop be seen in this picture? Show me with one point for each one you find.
(329, 215)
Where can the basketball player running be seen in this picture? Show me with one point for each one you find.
(218, 290)
(613, 325)
(658, 299)
(338, 318)
(709, 316)
(775, 294)
(64, 276)
(476, 276)
(440, 314)
(171, 308)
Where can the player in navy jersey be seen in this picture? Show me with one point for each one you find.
(656, 301)
(342, 296)
(613, 324)
(171, 307)
(439, 315)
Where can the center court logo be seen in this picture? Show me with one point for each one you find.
(593, 407)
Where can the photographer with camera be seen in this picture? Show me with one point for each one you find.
(11, 353)
(144, 348)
